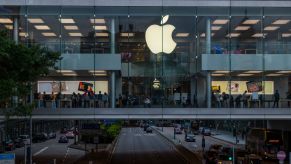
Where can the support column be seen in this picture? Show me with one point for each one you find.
(112, 80)
(208, 51)
(15, 29)
(112, 40)
(112, 50)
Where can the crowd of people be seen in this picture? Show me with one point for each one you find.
(243, 100)
(76, 100)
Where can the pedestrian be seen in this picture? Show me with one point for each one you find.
(120, 105)
(40, 100)
(58, 99)
(53, 100)
(237, 101)
(245, 99)
(74, 100)
(99, 98)
(44, 99)
(276, 99)
(203, 143)
(105, 100)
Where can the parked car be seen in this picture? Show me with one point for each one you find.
(70, 135)
(177, 131)
(207, 132)
(8, 145)
(19, 143)
(63, 130)
(52, 135)
(63, 139)
(145, 127)
(25, 138)
(190, 137)
(39, 137)
(149, 130)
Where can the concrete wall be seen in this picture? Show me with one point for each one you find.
(249, 3)
(268, 62)
(86, 62)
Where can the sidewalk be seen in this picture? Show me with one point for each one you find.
(228, 137)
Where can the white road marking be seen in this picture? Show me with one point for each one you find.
(42, 150)
(137, 135)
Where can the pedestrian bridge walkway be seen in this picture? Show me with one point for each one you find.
(158, 113)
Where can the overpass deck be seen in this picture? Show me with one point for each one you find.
(159, 113)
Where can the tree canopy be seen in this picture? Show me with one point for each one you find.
(21, 65)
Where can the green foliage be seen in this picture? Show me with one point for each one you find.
(113, 130)
(20, 66)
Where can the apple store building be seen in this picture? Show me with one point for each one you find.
(175, 53)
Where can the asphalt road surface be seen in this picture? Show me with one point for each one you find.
(135, 146)
(46, 152)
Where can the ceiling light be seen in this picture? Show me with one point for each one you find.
(71, 27)
(285, 35)
(242, 28)
(203, 34)
(42, 27)
(9, 27)
(258, 35)
(233, 35)
(220, 21)
(271, 28)
(65, 71)
(75, 34)
(97, 71)
(182, 34)
(65, 21)
(48, 34)
(251, 21)
(102, 34)
(23, 34)
(100, 27)
(274, 74)
(97, 20)
(215, 28)
(125, 34)
(281, 21)
(218, 74)
(99, 74)
(244, 74)
(5, 20)
(284, 72)
(253, 72)
(69, 74)
(35, 20)
(221, 72)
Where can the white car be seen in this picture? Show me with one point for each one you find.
(25, 139)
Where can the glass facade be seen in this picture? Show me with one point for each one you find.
(236, 49)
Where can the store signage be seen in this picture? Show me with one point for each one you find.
(159, 38)
(7, 158)
(281, 155)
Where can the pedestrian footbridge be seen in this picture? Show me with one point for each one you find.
(158, 113)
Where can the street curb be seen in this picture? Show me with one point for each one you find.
(113, 145)
(178, 148)
(226, 141)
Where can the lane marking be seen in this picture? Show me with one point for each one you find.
(42, 150)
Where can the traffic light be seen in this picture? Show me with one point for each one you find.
(230, 158)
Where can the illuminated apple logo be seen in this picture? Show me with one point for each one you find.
(159, 38)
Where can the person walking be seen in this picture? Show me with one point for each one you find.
(245, 99)
(99, 98)
(276, 99)
(105, 100)
(53, 100)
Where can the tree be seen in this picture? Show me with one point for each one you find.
(20, 67)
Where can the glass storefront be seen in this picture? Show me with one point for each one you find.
(166, 54)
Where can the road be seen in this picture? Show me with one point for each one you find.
(46, 152)
(134, 146)
(195, 146)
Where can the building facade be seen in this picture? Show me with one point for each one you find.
(177, 53)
